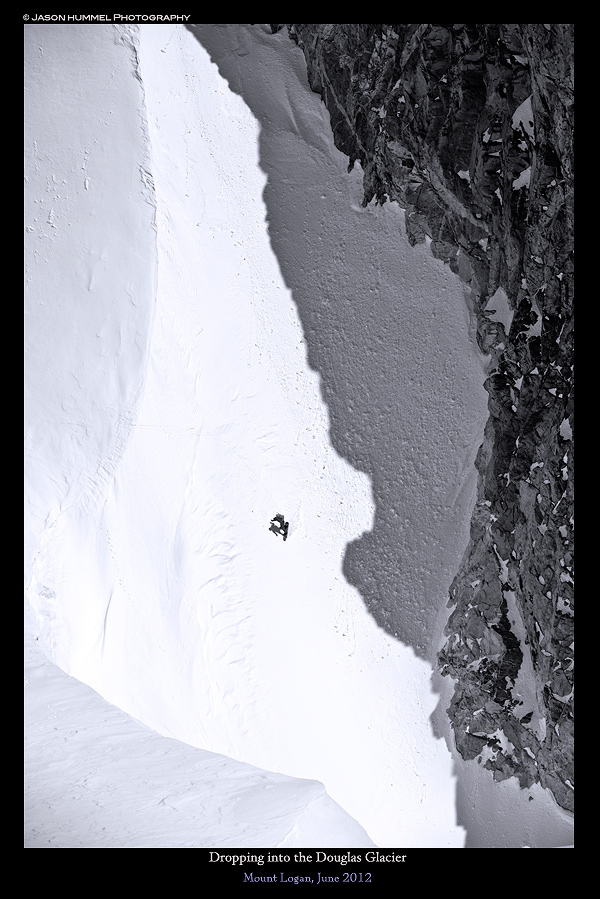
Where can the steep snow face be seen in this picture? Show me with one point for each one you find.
(196, 417)
(387, 329)
(98, 779)
(90, 274)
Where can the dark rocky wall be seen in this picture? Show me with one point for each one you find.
(470, 129)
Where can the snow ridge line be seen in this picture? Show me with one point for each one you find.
(128, 35)
(322, 793)
(95, 486)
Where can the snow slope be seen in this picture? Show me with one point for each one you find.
(172, 412)
(98, 779)
(386, 328)
(91, 265)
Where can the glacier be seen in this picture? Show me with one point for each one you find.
(172, 408)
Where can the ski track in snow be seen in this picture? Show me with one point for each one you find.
(196, 418)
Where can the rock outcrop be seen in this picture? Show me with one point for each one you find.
(470, 129)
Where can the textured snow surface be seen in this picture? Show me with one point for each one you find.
(125, 787)
(172, 412)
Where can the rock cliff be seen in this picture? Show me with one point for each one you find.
(470, 129)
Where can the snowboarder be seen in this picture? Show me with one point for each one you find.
(281, 527)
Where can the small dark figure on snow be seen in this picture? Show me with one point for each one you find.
(279, 526)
